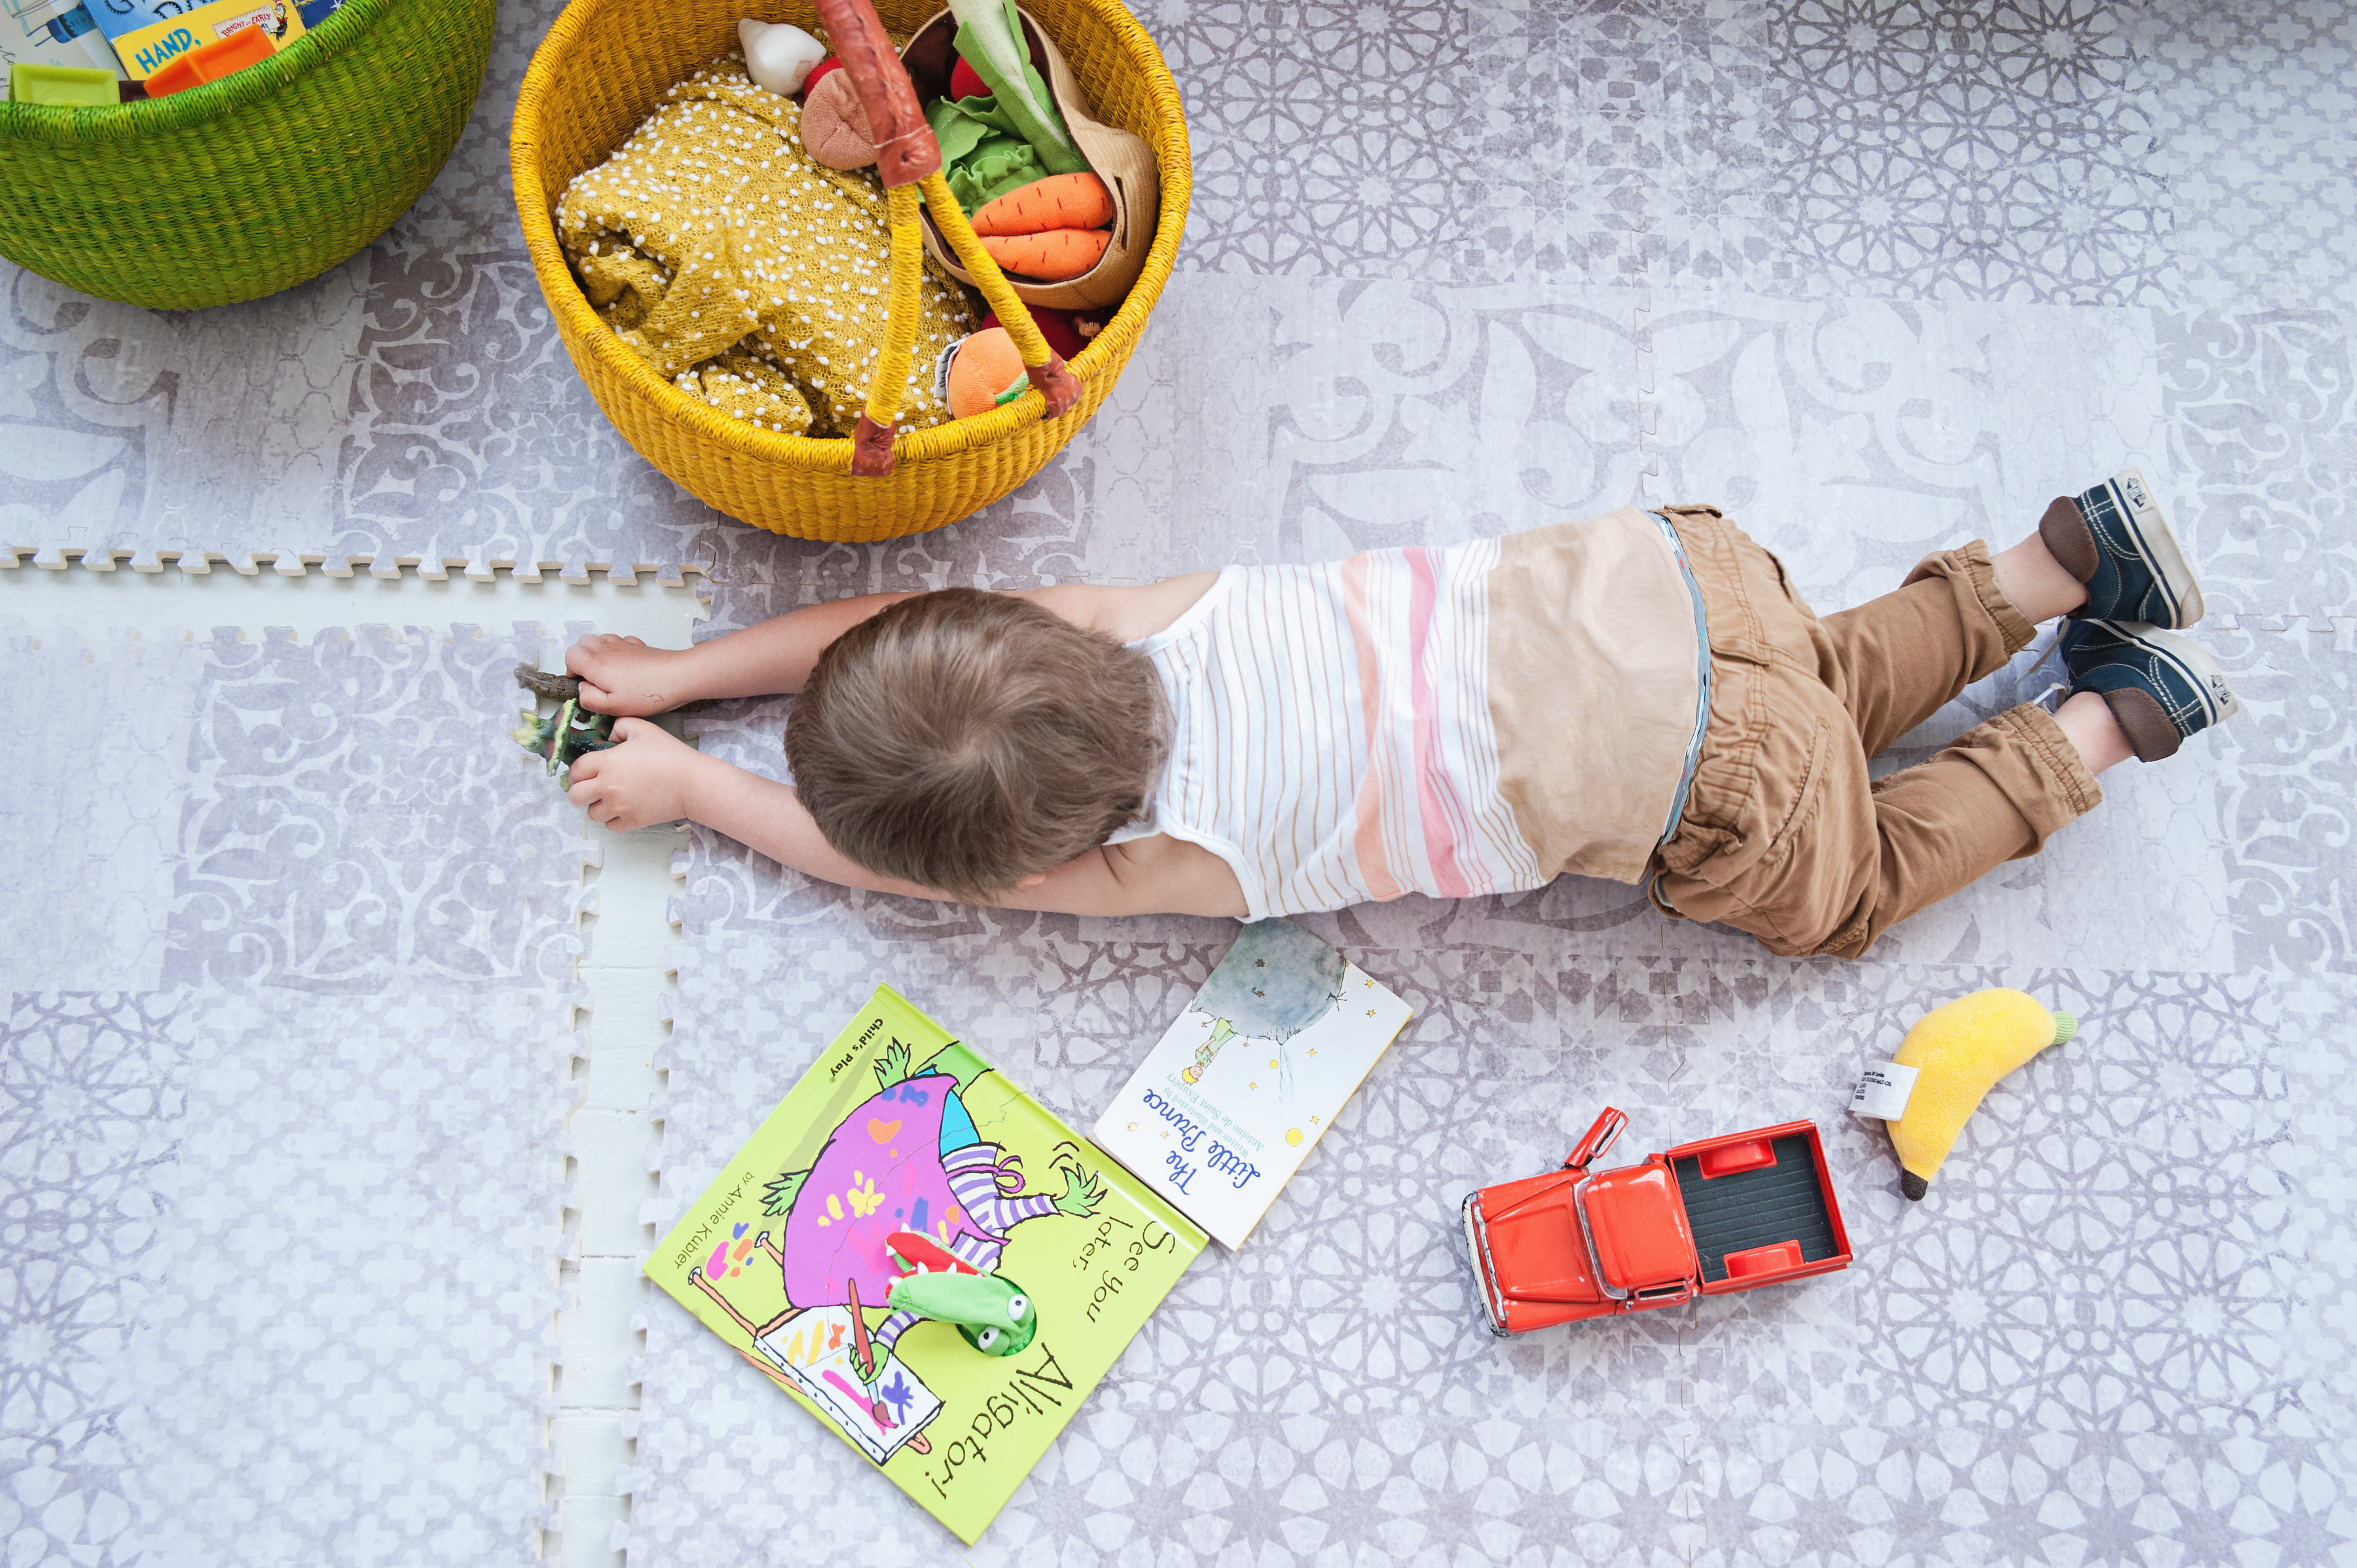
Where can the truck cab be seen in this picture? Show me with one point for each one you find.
(1704, 1218)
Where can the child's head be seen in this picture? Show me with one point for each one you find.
(965, 741)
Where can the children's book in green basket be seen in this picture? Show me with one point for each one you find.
(902, 1156)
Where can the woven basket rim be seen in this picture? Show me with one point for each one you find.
(565, 297)
(232, 95)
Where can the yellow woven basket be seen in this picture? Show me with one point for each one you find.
(601, 70)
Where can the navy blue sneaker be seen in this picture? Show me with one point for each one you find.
(2160, 686)
(2114, 539)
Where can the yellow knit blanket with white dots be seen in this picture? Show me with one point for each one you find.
(750, 275)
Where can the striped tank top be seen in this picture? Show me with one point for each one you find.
(1449, 721)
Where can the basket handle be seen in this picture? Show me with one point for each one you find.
(906, 154)
(904, 148)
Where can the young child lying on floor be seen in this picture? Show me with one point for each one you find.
(1640, 696)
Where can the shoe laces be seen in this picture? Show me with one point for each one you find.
(2045, 698)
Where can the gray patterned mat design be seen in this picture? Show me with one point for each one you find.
(1877, 276)
(2112, 1332)
(283, 1086)
(414, 403)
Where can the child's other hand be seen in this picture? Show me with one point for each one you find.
(638, 782)
(622, 675)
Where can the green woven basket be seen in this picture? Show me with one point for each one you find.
(256, 182)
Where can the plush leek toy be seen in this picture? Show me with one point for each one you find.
(1959, 1051)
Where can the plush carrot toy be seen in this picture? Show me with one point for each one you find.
(1058, 201)
(1055, 255)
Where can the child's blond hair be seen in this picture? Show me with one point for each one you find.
(963, 741)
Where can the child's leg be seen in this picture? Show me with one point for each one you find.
(2107, 552)
(1819, 858)
(1895, 660)
(1785, 835)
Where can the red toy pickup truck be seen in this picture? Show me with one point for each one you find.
(1726, 1214)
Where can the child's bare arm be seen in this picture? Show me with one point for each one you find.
(1158, 875)
(648, 778)
(623, 675)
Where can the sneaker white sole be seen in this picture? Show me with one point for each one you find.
(2156, 543)
(2190, 660)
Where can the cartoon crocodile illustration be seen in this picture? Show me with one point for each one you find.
(907, 1159)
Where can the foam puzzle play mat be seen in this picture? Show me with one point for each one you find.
(399, 1166)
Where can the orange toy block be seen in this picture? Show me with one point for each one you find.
(247, 46)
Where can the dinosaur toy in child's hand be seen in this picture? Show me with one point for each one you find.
(574, 731)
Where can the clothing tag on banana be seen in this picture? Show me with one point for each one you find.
(1882, 1091)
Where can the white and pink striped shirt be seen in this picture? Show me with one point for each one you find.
(1330, 735)
(1335, 735)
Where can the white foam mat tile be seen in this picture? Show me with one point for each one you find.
(1339, 416)
(2284, 767)
(278, 1236)
(2251, 136)
(2321, 1202)
(144, 431)
(1853, 438)
(279, 1276)
(2262, 423)
(91, 816)
(356, 811)
(1358, 415)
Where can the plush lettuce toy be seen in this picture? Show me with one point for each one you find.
(993, 144)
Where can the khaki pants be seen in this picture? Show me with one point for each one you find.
(1784, 835)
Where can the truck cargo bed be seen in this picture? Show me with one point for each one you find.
(1743, 1209)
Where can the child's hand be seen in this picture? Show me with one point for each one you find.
(623, 675)
(638, 782)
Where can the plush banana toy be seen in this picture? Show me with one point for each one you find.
(1959, 1051)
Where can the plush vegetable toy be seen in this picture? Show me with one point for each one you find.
(990, 40)
(1058, 201)
(778, 55)
(1959, 1051)
(985, 371)
(984, 368)
(1053, 255)
(1050, 228)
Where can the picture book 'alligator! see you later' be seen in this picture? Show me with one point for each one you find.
(927, 1258)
